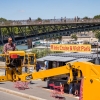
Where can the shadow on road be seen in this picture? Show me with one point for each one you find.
(2, 83)
(60, 98)
(32, 83)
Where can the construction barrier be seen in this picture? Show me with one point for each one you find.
(21, 85)
(58, 91)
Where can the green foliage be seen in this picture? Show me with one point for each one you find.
(38, 19)
(97, 17)
(74, 36)
(43, 52)
(57, 37)
(39, 53)
(3, 19)
(85, 17)
(97, 35)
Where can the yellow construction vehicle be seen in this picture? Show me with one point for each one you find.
(88, 72)
(14, 63)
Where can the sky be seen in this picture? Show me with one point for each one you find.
(48, 9)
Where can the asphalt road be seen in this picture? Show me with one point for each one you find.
(36, 89)
(6, 96)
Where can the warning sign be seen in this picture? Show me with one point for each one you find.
(70, 48)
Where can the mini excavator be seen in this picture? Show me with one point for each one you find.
(88, 72)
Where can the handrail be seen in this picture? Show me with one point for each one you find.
(47, 21)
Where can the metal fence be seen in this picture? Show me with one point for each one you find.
(47, 21)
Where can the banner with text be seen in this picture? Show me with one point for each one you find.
(70, 48)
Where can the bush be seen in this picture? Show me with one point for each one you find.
(43, 52)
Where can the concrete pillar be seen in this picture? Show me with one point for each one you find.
(29, 43)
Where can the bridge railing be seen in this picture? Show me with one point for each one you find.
(47, 21)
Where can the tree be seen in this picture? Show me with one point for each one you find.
(85, 17)
(43, 52)
(97, 35)
(38, 19)
(36, 52)
(3, 19)
(74, 36)
(59, 38)
(97, 17)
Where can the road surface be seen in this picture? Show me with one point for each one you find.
(36, 89)
(6, 96)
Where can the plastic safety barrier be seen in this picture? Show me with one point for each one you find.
(21, 85)
(58, 91)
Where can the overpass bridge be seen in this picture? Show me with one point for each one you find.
(21, 30)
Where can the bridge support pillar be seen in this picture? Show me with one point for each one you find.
(29, 43)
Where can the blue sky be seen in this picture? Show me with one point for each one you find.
(47, 9)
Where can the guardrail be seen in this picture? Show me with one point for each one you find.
(47, 21)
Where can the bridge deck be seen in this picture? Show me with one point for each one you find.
(48, 22)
